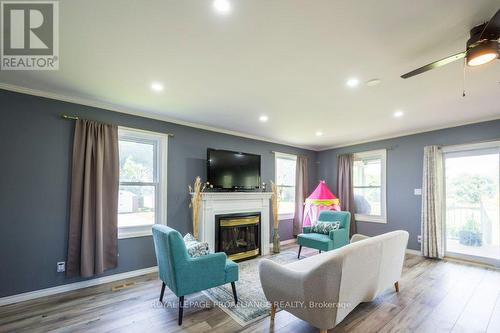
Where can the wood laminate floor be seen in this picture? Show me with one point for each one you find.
(435, 296)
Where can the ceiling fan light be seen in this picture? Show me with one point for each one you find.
(482, 54)
(482, 59)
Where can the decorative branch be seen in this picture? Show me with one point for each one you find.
(275, 204)
(196, 191)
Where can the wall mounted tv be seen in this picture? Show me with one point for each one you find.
(233, 171)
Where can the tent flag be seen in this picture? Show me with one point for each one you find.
(320, 199)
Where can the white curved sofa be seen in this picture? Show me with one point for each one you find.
(325, 288)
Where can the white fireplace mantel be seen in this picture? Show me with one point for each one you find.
(218, 203)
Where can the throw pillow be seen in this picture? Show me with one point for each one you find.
(195, 248)
(325, 227)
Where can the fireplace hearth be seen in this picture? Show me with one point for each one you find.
(238, 235)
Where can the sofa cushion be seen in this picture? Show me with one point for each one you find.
(194, 247)
(231, 271)
(325, 227)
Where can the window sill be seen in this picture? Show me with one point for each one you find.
(286, 216)
(370, 218)
(134, 231)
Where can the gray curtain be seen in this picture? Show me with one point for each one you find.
(301, 189)
(344, 187)
(432, 203)
(92, 243)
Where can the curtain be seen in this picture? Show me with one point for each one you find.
(301, 188)
(93, 241)
(345, 187)
(432, 203)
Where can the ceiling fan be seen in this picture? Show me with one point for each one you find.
(482, 47)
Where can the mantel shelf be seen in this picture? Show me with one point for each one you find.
(234, 195)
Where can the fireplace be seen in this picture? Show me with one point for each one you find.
(219, 204)
(238, 235)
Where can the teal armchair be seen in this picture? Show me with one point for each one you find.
(186, 275)
(322, 242)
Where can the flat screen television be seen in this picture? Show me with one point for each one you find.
(233, 171)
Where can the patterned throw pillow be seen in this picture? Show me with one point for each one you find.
(195, 248)
(325, 227)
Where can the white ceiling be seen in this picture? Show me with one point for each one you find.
(288, 59)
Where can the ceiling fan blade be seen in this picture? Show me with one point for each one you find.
(435, 64)
(492, 29)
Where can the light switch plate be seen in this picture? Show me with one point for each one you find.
(417, 191)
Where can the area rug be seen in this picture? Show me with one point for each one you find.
(252, 304)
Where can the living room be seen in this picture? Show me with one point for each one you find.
(250, 165)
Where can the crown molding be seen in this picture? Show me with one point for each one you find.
(408, 133)
(151, 115)
(140, 113)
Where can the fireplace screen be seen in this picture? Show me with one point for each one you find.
(238, 236)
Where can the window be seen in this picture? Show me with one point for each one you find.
(142, 196)
(285, 181)
(369, 186)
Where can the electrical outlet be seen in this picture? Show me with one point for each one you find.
(419, 239)
(61, 267)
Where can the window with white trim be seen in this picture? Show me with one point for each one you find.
(369, 185)
(286, 165)
(142, 195)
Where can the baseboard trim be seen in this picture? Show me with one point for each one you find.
(285, 242)
(414, 252)
(470, 262)
(74, 286)
(289, 241)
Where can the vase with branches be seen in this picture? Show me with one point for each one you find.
(196, 190)
(276, 221)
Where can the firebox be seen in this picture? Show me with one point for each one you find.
(238, 235)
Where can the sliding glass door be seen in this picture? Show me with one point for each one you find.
(472, 186)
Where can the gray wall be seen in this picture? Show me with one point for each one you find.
(35, 171)
(404, 172)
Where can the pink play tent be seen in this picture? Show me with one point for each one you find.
(321, 199)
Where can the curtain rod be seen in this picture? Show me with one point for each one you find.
(68, 117)
(280, 152)
(65, 116)
(459, 145)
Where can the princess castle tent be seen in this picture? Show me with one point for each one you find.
(321, 199)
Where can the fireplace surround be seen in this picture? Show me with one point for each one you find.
(222, 203)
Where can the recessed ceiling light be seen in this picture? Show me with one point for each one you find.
(263, 118)
(353, 82)
(222, 6)
(373, 82)
(319, 133)
(157, 86)
(398, 114)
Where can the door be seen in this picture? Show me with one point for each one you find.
(472, 186)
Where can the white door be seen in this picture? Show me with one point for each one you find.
(472, 186)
